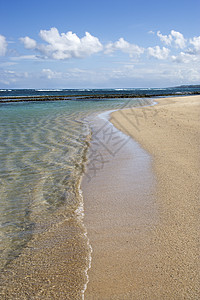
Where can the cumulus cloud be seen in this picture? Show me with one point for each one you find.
(184, 57)
(3, 45)
(122, 45)
(60, 46)
(64, 45)
(176, 37)
(195, 41)
(166, 39)
(191, 54)
(67, 45)
(179, 39)
(159, 53)
(28, 42)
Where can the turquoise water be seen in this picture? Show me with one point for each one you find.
(40, 156)
(43, 151)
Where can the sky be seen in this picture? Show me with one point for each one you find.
(99, 44)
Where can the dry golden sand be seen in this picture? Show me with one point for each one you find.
(148, 251)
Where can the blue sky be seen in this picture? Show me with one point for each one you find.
(99, 44)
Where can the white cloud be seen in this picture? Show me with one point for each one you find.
(25, 57)
(191, 54)
(183, 57)
(122, 45)
(179, 39)
(151, 32)
(176, 37)
(51, 74)
(65, 45)
(177, 60)
(28, 42)
(3, 45)
(8, 76)
(195, 41)
(166, 39)
(71, 77)
(159, 53)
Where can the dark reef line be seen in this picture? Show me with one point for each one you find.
(12, 99)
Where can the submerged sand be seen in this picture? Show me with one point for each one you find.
(143, 226)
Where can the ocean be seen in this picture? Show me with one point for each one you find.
(43, 156)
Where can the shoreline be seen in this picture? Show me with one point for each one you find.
(58, 249)
(104, 218)
(169, 132)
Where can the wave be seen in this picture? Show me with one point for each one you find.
(51, 90)
(6, 90)
(122, 89)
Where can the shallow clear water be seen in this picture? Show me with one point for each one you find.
(40, 161)
(43, 150)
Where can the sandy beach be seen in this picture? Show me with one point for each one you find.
(142, 206)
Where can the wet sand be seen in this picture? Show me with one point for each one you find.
(142, 208)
